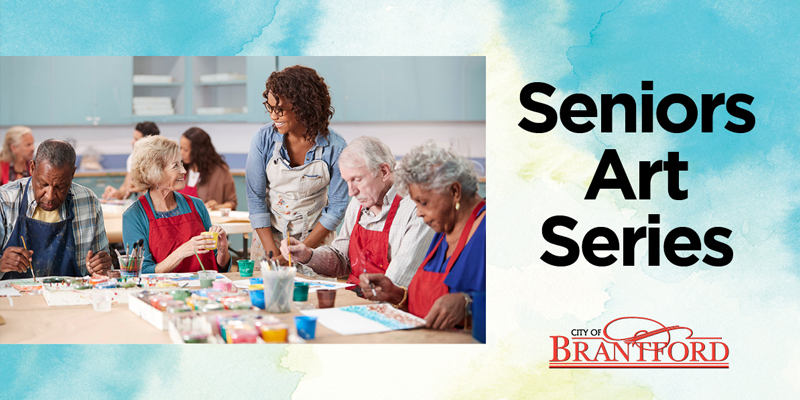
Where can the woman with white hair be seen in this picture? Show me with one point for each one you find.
(445, 188)
(170, 224)
(17, 153)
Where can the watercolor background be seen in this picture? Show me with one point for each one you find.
(745, 182)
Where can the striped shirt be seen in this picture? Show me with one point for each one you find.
(87, 226)
(409, 239)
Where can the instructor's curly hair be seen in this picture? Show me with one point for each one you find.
(308, 95)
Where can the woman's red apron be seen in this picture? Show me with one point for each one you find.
(167, 234)
(426, 286)
(370, 249)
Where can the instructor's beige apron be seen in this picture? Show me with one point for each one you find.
(296, 199)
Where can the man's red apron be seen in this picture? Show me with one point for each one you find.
(167, 234)
(427, 286)
(369, 250)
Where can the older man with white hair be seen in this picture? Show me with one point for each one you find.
(381, 231)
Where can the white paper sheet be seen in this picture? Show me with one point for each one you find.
(322, 284)
(344, 322)
(9, 291)
(242, 283)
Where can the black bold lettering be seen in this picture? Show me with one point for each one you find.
(548, 232)
(709, 104)
(688, 105)
(713, 244)
(567, 113)
(550, 116)
(671, 247)
(620, 181)
(589, 246)
(674, 166)
(745, 115)
(607, 103)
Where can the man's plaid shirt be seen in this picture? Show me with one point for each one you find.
(87, 227)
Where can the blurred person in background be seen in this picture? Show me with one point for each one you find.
(142, 130)
(17, 153)
(208, 176)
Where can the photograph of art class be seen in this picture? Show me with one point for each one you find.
(242, 200)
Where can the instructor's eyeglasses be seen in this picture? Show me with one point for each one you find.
(278, 110)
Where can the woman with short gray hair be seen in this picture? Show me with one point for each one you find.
(445, 188)
(173, 227)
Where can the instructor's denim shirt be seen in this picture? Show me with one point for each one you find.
(256, 175)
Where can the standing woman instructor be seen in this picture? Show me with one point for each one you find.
(294, 187)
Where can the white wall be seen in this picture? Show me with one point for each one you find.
(469, 138)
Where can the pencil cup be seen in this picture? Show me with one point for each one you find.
(278, 288)
(130, 267)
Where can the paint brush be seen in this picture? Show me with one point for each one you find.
(269, 262)
(132, 255)
(118, 257)
(25, 246)
(198, 260)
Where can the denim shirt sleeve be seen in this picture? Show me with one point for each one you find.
(333, 213)
(256, 178)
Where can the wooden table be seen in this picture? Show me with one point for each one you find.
(31, 320)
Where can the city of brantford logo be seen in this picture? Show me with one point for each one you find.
(638, 342)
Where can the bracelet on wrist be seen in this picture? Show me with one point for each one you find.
(467, 308)
(402, 302)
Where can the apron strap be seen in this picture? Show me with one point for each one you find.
(392, 213)
(188, 200)
(149, 211)
(462, 240)
(146, 205)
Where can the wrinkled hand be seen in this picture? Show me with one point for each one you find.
(16, 259)
(200, 244)
(446, 311)
(299, 252)
(222, 237)
(384, 288)
(110, 192)
(212, 204)
(98, 264)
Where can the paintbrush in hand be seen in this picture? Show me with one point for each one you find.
(24, 246)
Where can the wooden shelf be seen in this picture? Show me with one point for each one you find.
(236, 82)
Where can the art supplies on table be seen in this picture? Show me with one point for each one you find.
(316, 284)
(230, 328)
(183, 279)
(156, 305)
(359, 320)
(26, 285)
